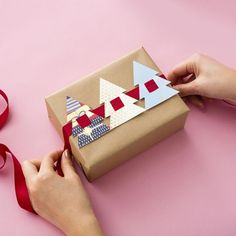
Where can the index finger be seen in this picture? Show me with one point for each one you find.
(48, 161)
(29, 171)
(181, 70)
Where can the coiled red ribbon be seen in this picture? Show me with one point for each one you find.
(21, 190)
(22, 194)
(5, 113)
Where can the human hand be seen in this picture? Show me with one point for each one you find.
(200, 75)
(62, 201)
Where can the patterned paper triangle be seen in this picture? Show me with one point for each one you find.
(109, 91)
(71, 104)
(126, 113)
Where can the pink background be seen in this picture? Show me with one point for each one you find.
(186, 185)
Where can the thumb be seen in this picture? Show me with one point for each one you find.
(67, 165)
(186, 89)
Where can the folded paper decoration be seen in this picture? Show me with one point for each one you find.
(86, 125)
(116, 112)
(117, 105)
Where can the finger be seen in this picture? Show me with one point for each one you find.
(184, 80)
(206, 99)
(186, 89)
(197, 101)
(37, 163)
(183, 69)
(67, 165)
(48, 161)
(29, 170)
(187, 79)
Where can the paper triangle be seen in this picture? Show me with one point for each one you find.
(71, 104)
(142, 73)
(160, 81)
(134, 93)
(100, 111)
(158, 96)
(126, 113)
(109, 91)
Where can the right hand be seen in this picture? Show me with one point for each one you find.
(203, 76)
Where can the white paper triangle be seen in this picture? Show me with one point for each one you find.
(142, 73)
(126, 113)
(154, 98)
(109, 91)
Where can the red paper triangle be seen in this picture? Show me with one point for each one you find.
(162, 76)
(100, 111)
(134, 93)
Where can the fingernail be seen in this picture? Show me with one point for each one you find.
(67, 154)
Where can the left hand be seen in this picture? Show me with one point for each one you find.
(62, 201)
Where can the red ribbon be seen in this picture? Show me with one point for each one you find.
(67, 131)
(21, 190)
(5, 113)
(22, 194)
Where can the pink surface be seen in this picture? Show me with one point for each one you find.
(183, 186)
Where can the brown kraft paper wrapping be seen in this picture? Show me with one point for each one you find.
(130, 138)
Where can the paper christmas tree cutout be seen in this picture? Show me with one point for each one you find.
(95, 128)
(71, 104)
(152, 87)
(109, 91)
(118, 106)
(117, 103)
(142, 73)
(74, 110)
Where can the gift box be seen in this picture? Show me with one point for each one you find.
(117, 112)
